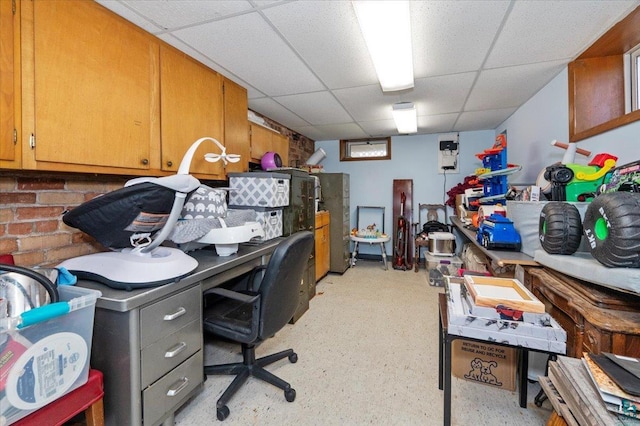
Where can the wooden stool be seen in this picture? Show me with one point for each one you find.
(87, 398)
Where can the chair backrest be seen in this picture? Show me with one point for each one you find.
(280, 285)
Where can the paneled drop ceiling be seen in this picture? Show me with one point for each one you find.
(306, 66)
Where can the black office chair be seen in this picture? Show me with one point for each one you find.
(253, 315)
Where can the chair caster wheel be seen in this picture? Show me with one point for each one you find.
(290, 395)
(223, 413)
(293, 358)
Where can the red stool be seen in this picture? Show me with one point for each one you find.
(87, 398)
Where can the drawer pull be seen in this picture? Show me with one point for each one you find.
(180, 312)
(181, 384)
(175, 350)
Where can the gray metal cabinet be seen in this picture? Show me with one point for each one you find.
(335, 199)
(151, 356)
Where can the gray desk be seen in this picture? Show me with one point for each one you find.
(148, 342)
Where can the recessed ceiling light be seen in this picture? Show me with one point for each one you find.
(386, 27)
(406, 117)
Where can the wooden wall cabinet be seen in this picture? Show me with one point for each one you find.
(596, 82)
(108, 97)
(9, 46)
(264, 140)
(595, 318)
(322, 235)
(236, 129)
(90, 100)
(191, 100)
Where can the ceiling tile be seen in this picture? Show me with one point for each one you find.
(272, 109)
(453, 36)
(482, 120)
(510, 86)
(318, 108)
(251, 49)
(441, 95)
(561, 28)
(171, 14)
(368, 103)
(437, 123)
(327, 35)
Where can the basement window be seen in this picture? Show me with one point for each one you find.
(634, 72)
(365, 149)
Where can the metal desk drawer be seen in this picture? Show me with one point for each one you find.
(164, 355)
(168, 393)
(169, 315)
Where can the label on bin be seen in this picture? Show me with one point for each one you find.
(46, 370)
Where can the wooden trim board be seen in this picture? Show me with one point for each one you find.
(492, 291)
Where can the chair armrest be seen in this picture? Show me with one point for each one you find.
(251, 284)
(230, 294)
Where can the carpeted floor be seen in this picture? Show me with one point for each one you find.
(368, 354)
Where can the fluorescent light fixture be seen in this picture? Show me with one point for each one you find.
(406, 117)
(386, 27)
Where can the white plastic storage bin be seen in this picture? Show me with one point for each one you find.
(439, 266)
(259, 189)
(46, 360)
(270, 219)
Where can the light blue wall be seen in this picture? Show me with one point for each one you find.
(545, 117)
(530, 131)
(412, 157)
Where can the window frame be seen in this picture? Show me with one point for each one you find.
(346, 146)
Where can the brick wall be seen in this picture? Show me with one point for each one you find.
(300, 147)
(31, 208)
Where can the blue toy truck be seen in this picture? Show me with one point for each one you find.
(498, 232)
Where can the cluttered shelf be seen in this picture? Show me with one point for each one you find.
(501, 257)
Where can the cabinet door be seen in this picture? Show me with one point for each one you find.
(93, 79)
(191, 108)
(261, 141)
(236, 126)
(8, 153)
(280, 144)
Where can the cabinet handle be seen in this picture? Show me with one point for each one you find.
(180, 312)
(145, 161)
(178, 386)
(175, 350)
(169, 163)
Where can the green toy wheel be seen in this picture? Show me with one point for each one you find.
(612, 229)
(560, 228)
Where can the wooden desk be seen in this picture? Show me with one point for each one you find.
(148, 342)
(596, 319)
(501, 257)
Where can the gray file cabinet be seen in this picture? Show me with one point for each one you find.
(335, 199)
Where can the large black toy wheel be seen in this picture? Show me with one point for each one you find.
(612, 229)
(560, 228)
(222, 413)
(290, 394)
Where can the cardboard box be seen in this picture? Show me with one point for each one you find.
(485, 363)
